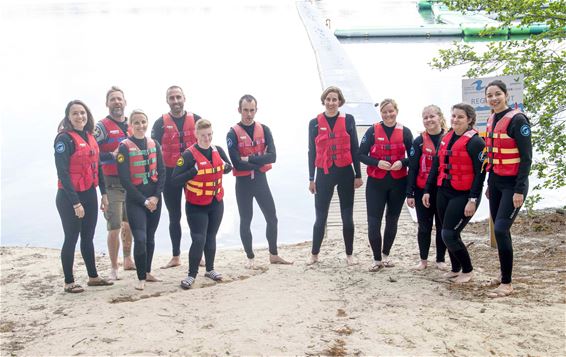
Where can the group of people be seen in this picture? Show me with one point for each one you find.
(440, 173)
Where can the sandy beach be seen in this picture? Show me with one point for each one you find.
(325, 309)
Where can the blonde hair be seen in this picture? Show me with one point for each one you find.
(388, 101)
(436, 108)
(203, 124)
(137, 111)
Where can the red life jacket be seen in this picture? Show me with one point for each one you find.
(459, 170)
(332, 146)
(83, 164)
(208, 181)
(174, 142)
(114, 136)
(138, 164)
(428, 153)
(390, 150)
(249, 147)
(502, 153)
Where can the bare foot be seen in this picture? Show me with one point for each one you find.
(494, 281)
(140, 285)
(202, 263)
(376, 266)
(442, 266)
(422, 265)
(386, 261)
(129, 264)
(250, 264)
(174, 262)
(113, 274)
(451, 274)
(312, 259)
(501, 291)
(350, 260)
(463, 278)
(151, 279)
(275, 259)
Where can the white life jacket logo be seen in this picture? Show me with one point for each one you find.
(322, 128)
(114, 131)
(429, 150)
(203, 162)
(82, 145)
(243, 137)
(382, 139)
(169, 126)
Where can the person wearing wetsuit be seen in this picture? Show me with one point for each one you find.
(384, 149)
(422, 153)
(79, 172)
(509, 154)
(109, 132)
(175, 132)
(200, 171)
(456, 171)
(333, 145)
(252, 151)
(142, 174)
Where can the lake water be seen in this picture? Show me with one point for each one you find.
(58, 50)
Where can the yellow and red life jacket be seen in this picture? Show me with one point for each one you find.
(332, 145)
(249, 147)
(208, 181)
(114, 136)
(388, 149)
(174, 142)
(83, 164)
(428, 153)
(459, 170)
(142, 170)
(502, 153)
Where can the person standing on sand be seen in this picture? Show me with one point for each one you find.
(142, 174)
(200, 170)
(508, 160)
(78, 170)
(385, 149)
(456, 171)
(109, 132)
(333, 145)
(252, 151)
(175, 132)
(421, 156)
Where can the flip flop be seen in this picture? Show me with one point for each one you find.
(73, 289)
(388, 264)
(213, 275)
(376, 268)
(187, 282)
(100, 282)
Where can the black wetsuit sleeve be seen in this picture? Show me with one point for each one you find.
(227, 163)
(313, 132)
(270, 154)
(475, 148)
(433, 174)
(157, 130)
(408, 141)
(520, 130)
(160, 172)
(365, 146)
(414, 165)
(239, 164)
(354, 146)
(132, 191)
(186, 171)
(64, 148)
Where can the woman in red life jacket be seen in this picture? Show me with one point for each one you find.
(508, 160)
(333, 144)
(423, 151)
(456, 171)
(385, 149)
(79, 172)
(142, 174)
(200, 170)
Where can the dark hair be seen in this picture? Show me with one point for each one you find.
(66, 125)
(333, 89)
(112, 90)
(173, 87)
(469, 110)
(248, 98)
(497, 83)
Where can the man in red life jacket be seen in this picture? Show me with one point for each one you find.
(252, 151)
(109, 132)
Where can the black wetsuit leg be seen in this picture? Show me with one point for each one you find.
(265, 201)
(172, 195)
(244, 199)
(426, 218)
(73, 226)
(143, 224)
(395, 200)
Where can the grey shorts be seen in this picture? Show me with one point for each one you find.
(116, 213)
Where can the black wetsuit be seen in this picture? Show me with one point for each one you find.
(66, 198)
(343, 177)
(172, 194)
(248, 187)
(204, 221)
(387, 191)
(502, 188)
(450, 203)
(425, 216)
(143, 222)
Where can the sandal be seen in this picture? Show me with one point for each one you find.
(376, 267)
(213, 275)
(100, 282)
(388, 264)
(73, 289)
(187, 282)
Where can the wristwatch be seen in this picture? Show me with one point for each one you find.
(473, 200)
